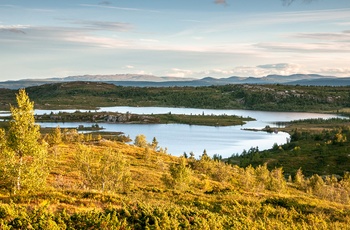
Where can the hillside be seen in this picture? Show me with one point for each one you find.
(90, 95)
(316, 146)
(158, 191)
(67, 180)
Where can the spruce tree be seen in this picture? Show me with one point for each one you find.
(154, 144)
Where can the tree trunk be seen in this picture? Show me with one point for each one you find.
(18, 186)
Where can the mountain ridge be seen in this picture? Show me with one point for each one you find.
(144, 80)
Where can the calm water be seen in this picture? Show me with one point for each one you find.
(179, 138)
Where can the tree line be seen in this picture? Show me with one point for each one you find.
(256, 97)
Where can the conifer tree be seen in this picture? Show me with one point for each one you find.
(154, 144)
(28, 155)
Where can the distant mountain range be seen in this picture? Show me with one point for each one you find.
(154, 81)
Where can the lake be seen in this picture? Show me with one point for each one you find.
(180, 138)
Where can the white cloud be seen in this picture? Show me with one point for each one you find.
(62, 35)
(175, 72)
(319, 47)
(240, 71)
(103, 25)
(267, 69)
(14, 26)
(119, 8)
(98, 41)
(15, 29)
(198, 38)
(286, 67)
(143, 72)
(148, 40)
(9, 6)
(130, 67)
(342, 23)
(343, 36)
(339, 72)
(39, 10)
(268, 19)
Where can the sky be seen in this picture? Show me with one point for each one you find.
(179, 38)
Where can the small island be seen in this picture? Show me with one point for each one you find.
(128, 118)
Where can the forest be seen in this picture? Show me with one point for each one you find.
(64, 179)
(91, 95)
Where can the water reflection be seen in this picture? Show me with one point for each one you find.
(180, 138)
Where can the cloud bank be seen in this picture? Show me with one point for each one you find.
(241, 71)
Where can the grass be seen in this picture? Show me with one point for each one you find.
(204, 203)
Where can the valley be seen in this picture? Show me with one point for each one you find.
(94, 180)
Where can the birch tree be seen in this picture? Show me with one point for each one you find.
(28, 154)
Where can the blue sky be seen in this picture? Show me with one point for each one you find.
(182, 38)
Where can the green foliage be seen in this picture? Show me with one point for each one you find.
(257, 97)
(299, 179)
(140, 141)
(8, 174)
(315, 184)
(319, 148)
(104, 171)
(339, 137)
(277, 182)
(180, 175)
(209, 120)
(267, 213)
(214, 169)
(72, 135)
(23, 134)
(262, 179)
(3, 143)
(55, 137)
(23, 155)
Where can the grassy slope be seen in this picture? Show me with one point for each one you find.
(205, 203)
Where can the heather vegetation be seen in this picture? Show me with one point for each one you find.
(70, 180)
